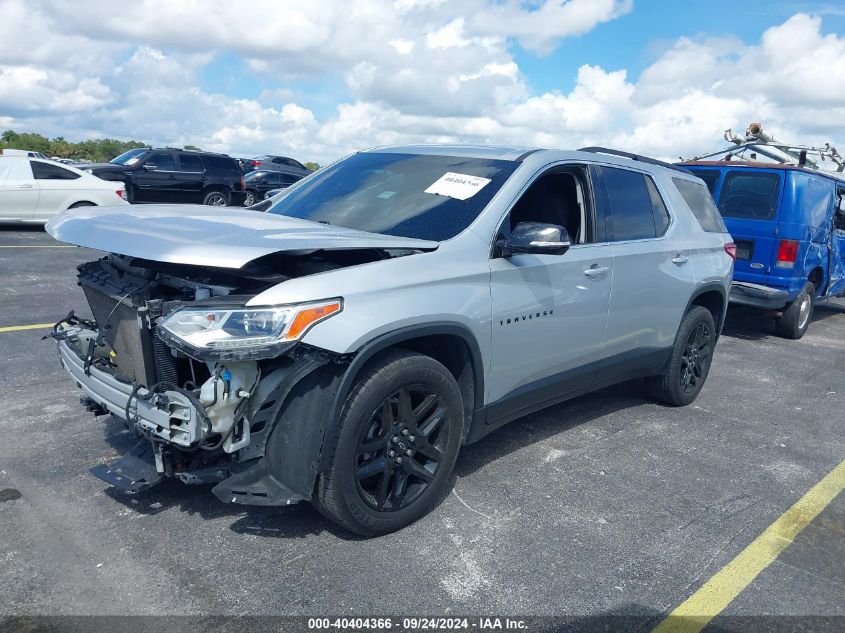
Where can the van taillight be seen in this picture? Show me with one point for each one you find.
(243, 183)
(730, 249)
(787, 253)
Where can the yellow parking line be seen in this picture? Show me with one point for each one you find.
(18, 328)
(695, 612)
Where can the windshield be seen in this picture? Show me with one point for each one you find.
(256, 175)
(129, 158)
(406, 195)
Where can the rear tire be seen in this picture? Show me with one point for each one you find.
(689, 364)
(216, 198)
(795, 320)
(250, 198)
(400, 431)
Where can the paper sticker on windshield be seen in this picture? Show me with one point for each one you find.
(459, 186)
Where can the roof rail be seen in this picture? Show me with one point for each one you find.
(632, 156)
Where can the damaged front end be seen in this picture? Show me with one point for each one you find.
(175, 354)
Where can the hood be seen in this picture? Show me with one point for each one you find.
(224, 237)
(100, 166)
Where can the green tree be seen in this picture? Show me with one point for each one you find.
(99, 150)
(193, 147)
(312, 165)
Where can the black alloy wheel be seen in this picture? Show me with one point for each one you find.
(695, 359)
(397, 439)
(686, 370)
(401, 448)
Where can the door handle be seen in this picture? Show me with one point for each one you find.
(27, 186)
(596, 271)
(680, 260)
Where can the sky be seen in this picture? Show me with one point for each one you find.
(318, 80)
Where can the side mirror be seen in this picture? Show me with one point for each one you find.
(537, 238)
(150, 167)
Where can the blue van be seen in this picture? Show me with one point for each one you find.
(788, 223)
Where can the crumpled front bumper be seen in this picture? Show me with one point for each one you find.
(174, 419)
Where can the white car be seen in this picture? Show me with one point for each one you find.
(35, 190)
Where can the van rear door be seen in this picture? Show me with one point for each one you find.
(749, 201)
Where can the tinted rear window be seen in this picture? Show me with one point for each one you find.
(220, 163)
(636, 209)
(750, 195)
(700, 201)
(46, 171)
(189, 162)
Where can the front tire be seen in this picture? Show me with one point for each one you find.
(689, 364)
(795, 320)
(250, 198)
(400, 431)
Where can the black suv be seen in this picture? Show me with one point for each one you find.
(259, 183)
(175, 175)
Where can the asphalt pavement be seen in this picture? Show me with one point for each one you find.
(607, 504)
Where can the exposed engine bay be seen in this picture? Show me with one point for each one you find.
(192, 413)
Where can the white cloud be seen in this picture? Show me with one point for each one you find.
(411, 71)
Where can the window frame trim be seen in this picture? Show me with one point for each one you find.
(590, 217)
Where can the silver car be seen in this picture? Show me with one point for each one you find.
(385, 311)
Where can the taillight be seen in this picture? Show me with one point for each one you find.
(730, 249)
(243, 183)
(121, 193)
(255, 163)
(787, 253)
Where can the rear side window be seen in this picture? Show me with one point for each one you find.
(749, 195)
(219, 163)
(189, 162)
(46, 171)
(700, 202)
(710, 178)
(636, 209)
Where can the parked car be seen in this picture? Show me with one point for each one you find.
(788, 223)
(34, 190)
(276, 163)
(259, 183)
(175, 175)
(343, 346)
(21, 152)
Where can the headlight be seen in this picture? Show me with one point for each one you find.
(220, 333)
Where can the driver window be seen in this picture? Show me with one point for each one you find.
(555, 198)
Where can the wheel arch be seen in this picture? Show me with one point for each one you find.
(816, 277)
(82, 203)
(714, 297)
(451, 344)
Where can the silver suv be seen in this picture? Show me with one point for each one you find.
(385, 311)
